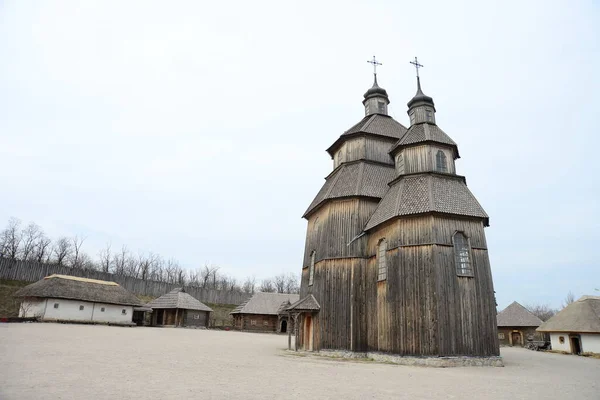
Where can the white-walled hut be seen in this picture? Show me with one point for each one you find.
(74, 299)
(178, 308)
(576, 329)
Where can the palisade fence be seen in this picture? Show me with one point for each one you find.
(29, 271)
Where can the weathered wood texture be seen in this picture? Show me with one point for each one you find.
(423, 308)
(33, 272)
(422, 159)
(260, 322)
(334, 225)
(364, 148)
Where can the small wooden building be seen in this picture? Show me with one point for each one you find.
(517, 325)
(178, 308)
(75, 299)
(264, 312)
(576, 329)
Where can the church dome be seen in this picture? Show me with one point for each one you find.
(420, 97)
(375, 90)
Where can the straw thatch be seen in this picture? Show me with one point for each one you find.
(582, 315)
(517, 315)
(75, 288)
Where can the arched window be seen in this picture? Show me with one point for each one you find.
(462, 255)
(440, 162)
(400, 163)
(311, 269)
(381, 260)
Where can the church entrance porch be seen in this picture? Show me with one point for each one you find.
(308, 333)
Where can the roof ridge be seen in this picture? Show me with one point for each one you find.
(366, 125)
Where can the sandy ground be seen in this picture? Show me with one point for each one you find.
(54, 361)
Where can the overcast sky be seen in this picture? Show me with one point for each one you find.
(197, 130)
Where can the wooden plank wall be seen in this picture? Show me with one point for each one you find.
(422, 158)
(423, 308)
(32, 272)
(364, 148)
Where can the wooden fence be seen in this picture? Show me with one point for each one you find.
(32, 272)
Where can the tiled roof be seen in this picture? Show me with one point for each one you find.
(424, 132)
(265, 303)
(354, 179)
(582, 315)
(68, 287)
(517, 315)
(375, 124)
(416, 194)
(178, 298)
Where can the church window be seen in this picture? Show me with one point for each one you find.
(381, 260)
(311, 270)
(381, 107)
(102, 309)
(441, 164)
(462, 256)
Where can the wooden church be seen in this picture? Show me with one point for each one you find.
(396, 258)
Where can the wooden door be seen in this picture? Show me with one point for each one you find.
(308, 333)
(516, 339)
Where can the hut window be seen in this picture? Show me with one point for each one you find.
(81, 308)
(311, 269)
(196, 316)
(440, 162)
(253, 322)
(381, 260)
(500, 335)
(124, 312)
(462, 257)
(102, 309)
(561, 339)
(265, 323)
(55, 305)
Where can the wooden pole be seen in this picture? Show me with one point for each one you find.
(289, 320)
(176, 312)
(296, 329)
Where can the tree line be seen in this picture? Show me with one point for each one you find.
(30, 243)
(545, 312)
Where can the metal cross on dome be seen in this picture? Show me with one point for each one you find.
(417, 65)
(375, 64)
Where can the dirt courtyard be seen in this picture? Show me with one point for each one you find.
(54, 361)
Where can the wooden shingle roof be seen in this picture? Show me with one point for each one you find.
(375, 124)
(582, 315)
(517, 315)
(178, 298)
(265, 303)
(429, 192)
(424, 132)
(359, 178)
(75, 288)
(308, 303)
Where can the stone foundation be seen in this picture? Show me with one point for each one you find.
(439, 362)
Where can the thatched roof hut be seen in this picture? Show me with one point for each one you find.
(76, 288)
(178, 308)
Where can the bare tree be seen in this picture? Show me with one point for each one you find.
(249, 285)
(76, 243)
(569, 299)
(267, 286)
(279, 283)
(62, 250)
(105, 258)
(292, 285)
(207, 275)
(542, 311)
(43, 249)
(120, 260)
(11, 238)
(30, 236)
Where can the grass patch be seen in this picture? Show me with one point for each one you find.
(9, 305)
(590, 354)
(220, 317)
